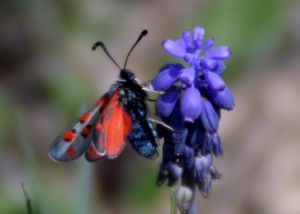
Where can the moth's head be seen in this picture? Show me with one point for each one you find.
(126, 74)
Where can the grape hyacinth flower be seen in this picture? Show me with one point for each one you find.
(194, 97)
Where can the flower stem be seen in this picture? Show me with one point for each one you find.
(27, 199)
(173, 199)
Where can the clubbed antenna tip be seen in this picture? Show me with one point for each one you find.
(97, 44)
(100, 44)
(142, 34)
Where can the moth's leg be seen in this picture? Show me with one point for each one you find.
(145, 87)
(157, 121)
(140, 82)
(151, 100)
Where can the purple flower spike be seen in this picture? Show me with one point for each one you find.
(191, 104)
(214, 81)
(166, 102)
(167, 76)
(188, 151)
(173, 48)
(219, 53)
(222, 99)
(209, 117)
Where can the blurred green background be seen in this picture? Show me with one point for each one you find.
(48, 75)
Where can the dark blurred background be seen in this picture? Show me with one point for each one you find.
(48, 75)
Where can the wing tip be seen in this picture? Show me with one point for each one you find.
(51, 156)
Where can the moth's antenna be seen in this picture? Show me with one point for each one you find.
(100, 44)
(142, 34)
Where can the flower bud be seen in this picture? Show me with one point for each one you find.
(204, 185)
(214, 81)
(220, 68)
(191, 104)
(209, 117)
(184, 196)
(222, 99)
(197, 133)
(198, 36)
(173, 48)
(207, 144)
(187, 76)
(188, 157)
(179, 140)
(175, 119)
(219, 53)
(209, 43)
(166, 102)
(167, 76)
(209, 64)
(203, 164)
(186, 36)
(217, 146)
(175, 173)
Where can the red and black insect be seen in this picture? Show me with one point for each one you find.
(117, 116)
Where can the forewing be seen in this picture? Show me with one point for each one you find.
(74, 141)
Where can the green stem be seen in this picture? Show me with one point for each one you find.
(27, 198)
(173, 201)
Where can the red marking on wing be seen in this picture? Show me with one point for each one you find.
(84, 117)
(102, 100)
(86, 131)
(91, 153)
(71, 152)
(114, 125)
(99, 126)
(69, 135)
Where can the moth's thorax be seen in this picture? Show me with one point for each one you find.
(126, 74)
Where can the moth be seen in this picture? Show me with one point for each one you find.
(118, 116)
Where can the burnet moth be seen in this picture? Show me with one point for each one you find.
(119, 115)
